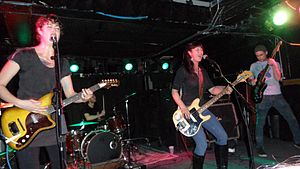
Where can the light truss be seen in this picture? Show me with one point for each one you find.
(199, 3)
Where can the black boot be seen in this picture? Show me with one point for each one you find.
(198, 161)
(221, 153)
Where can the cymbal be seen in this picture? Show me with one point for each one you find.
(83, 123)
(6, 105)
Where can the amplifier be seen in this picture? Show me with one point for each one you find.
(225, 113)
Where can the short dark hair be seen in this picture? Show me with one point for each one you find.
(260, 48)
(42, 20)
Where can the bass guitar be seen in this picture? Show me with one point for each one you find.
(189, 127)
(260, 86)
(20, 126)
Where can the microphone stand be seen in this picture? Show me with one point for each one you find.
(217, 68)
(58, 102)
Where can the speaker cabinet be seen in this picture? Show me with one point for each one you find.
(225, 113)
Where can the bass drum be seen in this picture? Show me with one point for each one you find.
(101, 146)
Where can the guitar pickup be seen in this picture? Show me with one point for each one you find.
(13, 128)
(192, 112)
(181, 125)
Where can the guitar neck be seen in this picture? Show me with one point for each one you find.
(216, 98)
(211, 101)
(74, 98)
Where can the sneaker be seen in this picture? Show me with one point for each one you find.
(297, 145)
(261, 152)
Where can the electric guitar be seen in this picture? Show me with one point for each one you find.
(189, 127)
(260, 86)
(20, 126)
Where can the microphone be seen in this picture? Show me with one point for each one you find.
(53, 39)
(211, 62)
(205, 57)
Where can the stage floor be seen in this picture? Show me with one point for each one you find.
(159, 158)
(152, 156)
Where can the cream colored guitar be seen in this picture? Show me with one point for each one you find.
(190, 127)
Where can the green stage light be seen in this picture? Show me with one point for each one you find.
(24, 34)
(74, 68)
(129, 66)
(165, 66)
(280, 18)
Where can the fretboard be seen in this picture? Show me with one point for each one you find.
(76, 97)
(216, 98)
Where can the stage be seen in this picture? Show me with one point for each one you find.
(158, 157)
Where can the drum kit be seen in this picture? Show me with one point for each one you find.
(101, 145)
(105, 144)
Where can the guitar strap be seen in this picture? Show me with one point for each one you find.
(201, 83)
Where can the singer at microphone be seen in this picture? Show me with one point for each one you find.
(53, 39)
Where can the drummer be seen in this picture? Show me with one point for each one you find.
(92, 110)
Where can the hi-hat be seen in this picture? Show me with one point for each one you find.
(83, 123)
(6, 105)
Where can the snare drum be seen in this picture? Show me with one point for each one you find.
(99, 146)
(116, 124)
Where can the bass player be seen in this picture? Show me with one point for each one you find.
(272, 97)
(191, 80)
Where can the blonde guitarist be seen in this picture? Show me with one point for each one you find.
(36, 70)
(191, 82)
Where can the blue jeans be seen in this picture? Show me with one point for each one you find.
(215, 128)
(281, 105)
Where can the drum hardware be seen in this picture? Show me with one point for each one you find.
(103, 127)
(127, 143)
(116, 124)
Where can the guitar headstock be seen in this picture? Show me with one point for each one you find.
(108, 83)
(242, 77)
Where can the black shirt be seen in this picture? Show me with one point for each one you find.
(189, 84)
(36, 80)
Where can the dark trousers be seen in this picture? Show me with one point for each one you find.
(29, 158)
(280, 104)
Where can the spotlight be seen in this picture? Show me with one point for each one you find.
(280, 18)
(128, 66)
(165, 66)
(74, 68)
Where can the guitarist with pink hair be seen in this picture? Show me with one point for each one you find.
(36, 71)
